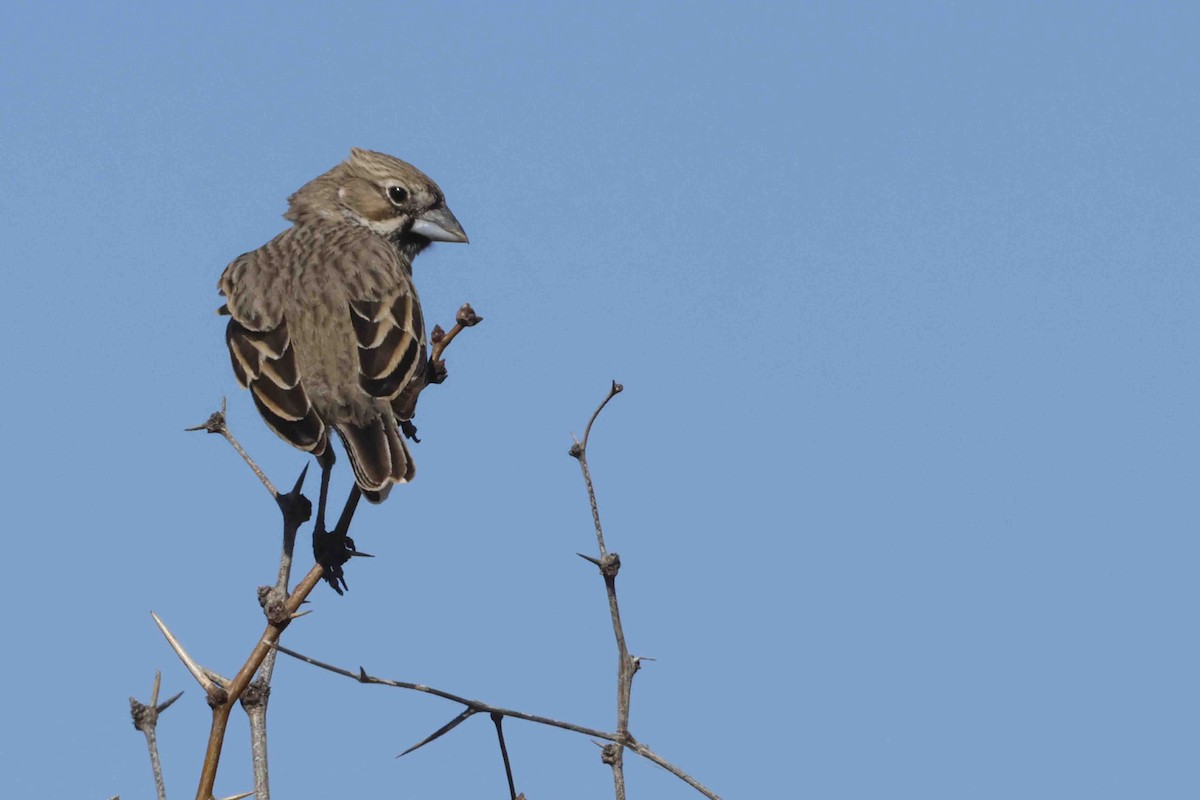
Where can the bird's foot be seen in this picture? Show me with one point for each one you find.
(332, 549)
(409, 430)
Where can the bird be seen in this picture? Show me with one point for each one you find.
(326, 328)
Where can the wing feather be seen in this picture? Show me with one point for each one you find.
(391, 342)
(265, 363)
(389, 334)
(261, 352)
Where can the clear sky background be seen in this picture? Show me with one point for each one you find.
(904, 298)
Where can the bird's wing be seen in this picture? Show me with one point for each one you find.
(389, 333)
(262, 355)
(391, 341)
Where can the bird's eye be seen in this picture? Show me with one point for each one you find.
(397, 194)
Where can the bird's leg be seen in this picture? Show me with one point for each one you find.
(327, 549)
(326, 460)
(335, 548)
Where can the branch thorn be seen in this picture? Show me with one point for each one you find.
(449, 726)
(202, 676)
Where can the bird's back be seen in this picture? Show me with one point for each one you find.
(306, 278)
(326, 328)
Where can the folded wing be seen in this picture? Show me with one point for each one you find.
(265, 363)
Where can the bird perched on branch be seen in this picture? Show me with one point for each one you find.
(326, 328)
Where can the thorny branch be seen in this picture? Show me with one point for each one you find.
(278, 605)
(473, 707)
(296, 510)
(239, 683)
(610, 565)
(216, 424)
(618, 741)
(145, 719)
(281, 607)
(223, 694)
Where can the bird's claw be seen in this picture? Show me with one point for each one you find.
(331, 550)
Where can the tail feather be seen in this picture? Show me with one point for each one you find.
(378, 456)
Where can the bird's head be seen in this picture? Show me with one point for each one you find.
(391, 197)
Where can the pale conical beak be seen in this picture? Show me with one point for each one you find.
(439, 225)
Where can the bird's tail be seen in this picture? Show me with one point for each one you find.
(378, 456)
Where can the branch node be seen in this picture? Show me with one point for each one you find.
(637, 661)
(256, 695)
(144, 717)
(216, 696)
(610, 565)
(273, 600)
(214, 424)
(467, 317)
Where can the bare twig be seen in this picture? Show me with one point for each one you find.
(610, 565)
(216, 424)
(465, 318)
(579, 452)
(145, 719)
(615, 390)
(477, 707)
(650, 755)
(625, 670)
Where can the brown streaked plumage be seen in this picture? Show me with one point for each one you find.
(326, 328)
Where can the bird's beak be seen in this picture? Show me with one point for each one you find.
(439, 225)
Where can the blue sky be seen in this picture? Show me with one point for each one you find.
(904, 297)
